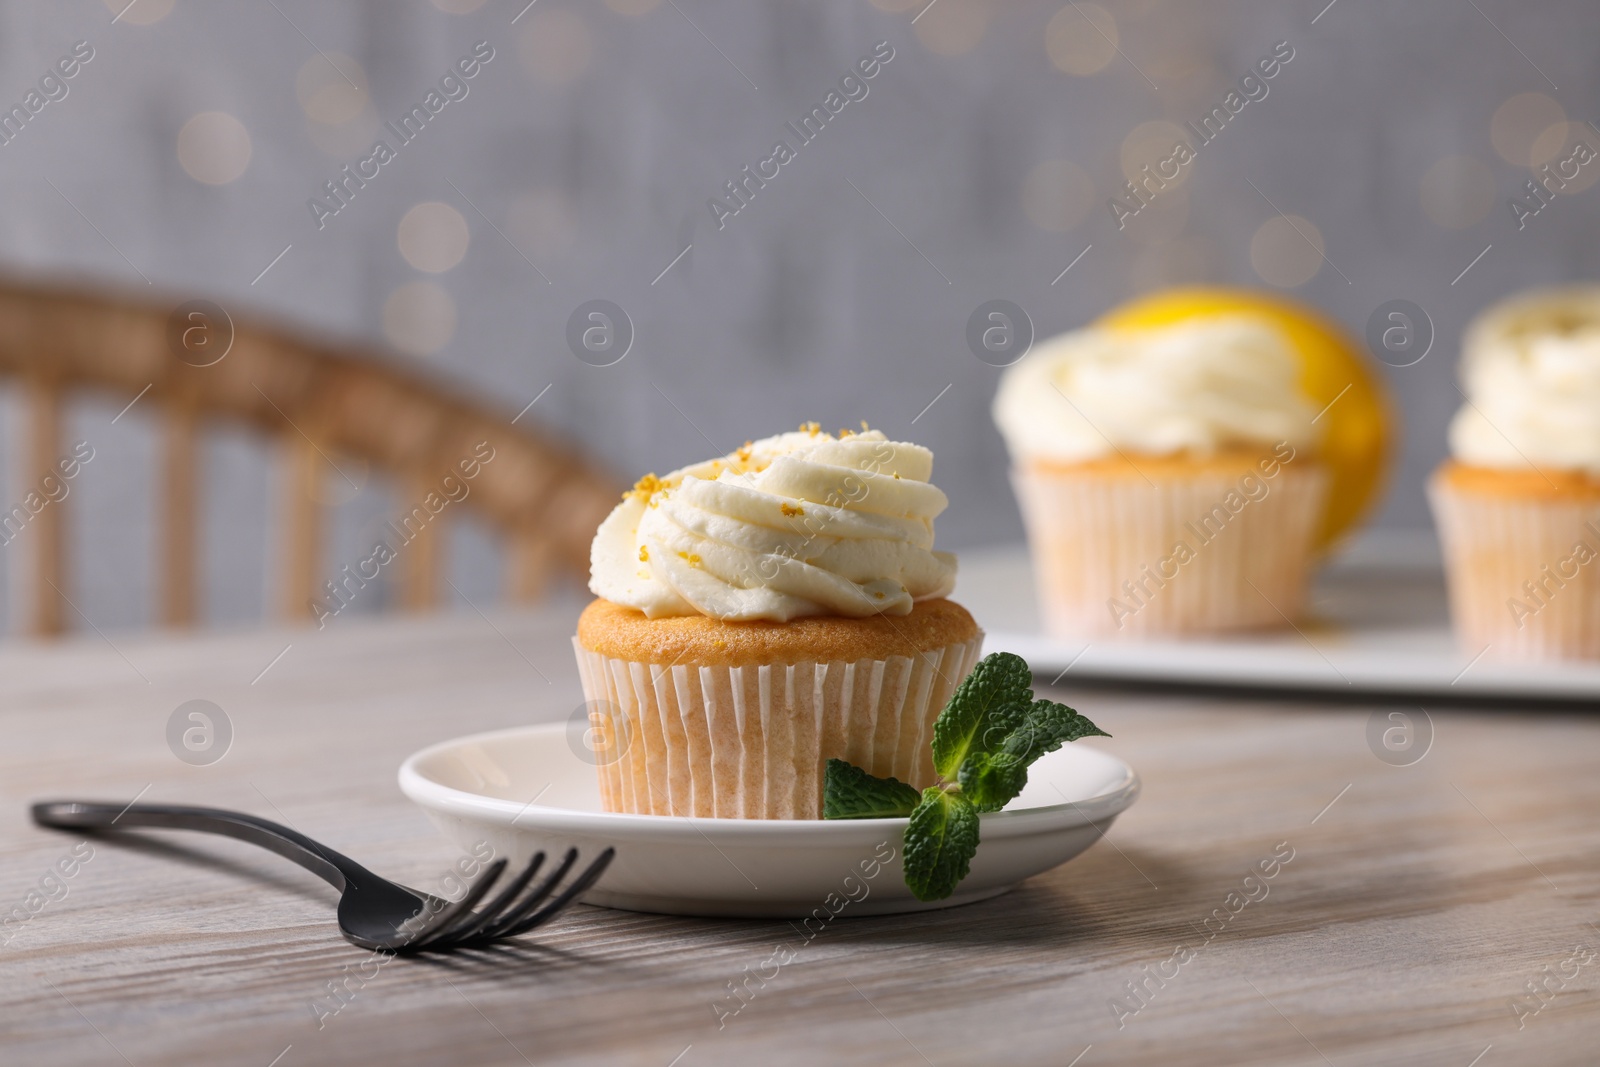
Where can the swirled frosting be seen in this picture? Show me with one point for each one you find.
(1531, 367)
(1201, 385)
(799, 524)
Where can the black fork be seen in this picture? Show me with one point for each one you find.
(374, 912)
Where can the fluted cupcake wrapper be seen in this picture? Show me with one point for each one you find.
(1524, 574)
(1107, 560)
(750, 742)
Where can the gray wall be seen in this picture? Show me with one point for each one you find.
(594, 138)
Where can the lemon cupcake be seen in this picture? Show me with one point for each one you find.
(1169, 476)
(761, 613)
(1518, 503)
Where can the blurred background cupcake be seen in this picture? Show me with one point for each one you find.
(1518, 502)
(763, 612)
(1182, 463)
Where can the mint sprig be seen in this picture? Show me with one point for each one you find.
(984, 740)
(987, 705)
(991, 780)
(848, 792)
(941, 839)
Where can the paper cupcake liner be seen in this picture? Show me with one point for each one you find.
(1108, 562)
(1524, 575)
(750, 742)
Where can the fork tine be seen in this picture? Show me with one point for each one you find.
(528, 903)
(463, 931)
(448, 917)
(579, 885)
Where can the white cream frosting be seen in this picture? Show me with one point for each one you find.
(1200, 386)
(794, 525)
(1531, 367)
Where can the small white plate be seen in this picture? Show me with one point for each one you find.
(525, 789)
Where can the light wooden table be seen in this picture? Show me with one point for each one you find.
(1419, 903)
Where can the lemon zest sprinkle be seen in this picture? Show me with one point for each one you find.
(645, 488)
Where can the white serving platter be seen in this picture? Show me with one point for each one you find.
(1378, 624)
(526, 789)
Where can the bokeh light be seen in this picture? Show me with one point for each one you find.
(1569, 136)
(1286, 250)
(1057, 194)
(1457, 192)
(1149, 144)
(555, 46)
(433, 236)
(332, 89)
(952, 27)
(1176, 42)
(1081, 39)
(543, 222)
(419, 318)
(347, 140)
(334, 95)
(1518, 129)
(214, 147)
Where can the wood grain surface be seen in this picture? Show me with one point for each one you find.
(1419, 907)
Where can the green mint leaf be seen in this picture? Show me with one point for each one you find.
(1045, 728)
(940, 841)
(985, 708)
(992, 780)
(848, 792)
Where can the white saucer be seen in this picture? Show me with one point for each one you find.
(483, 789)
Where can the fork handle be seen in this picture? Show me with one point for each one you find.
(332, 867)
